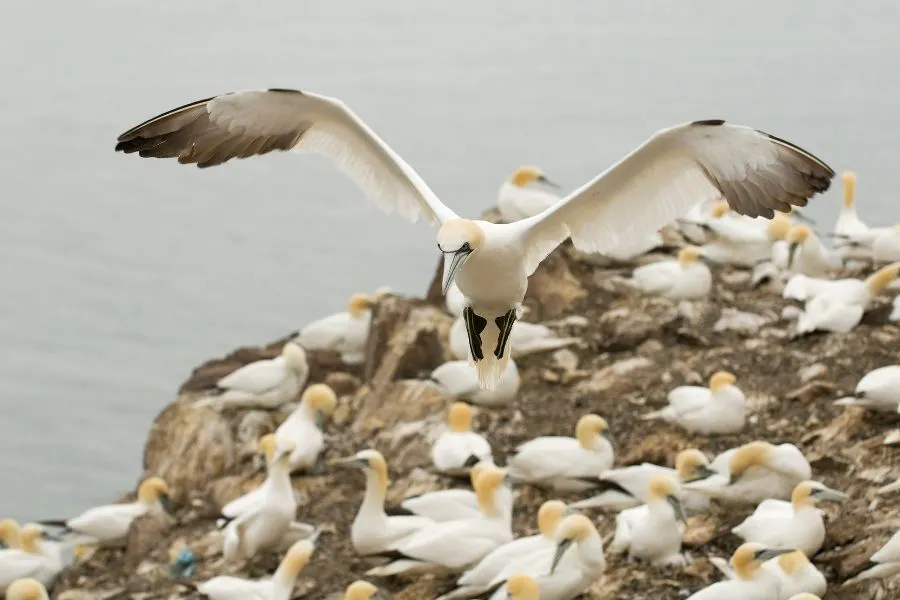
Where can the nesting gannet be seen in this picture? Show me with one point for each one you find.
(693, 225)
(754, 171)
(344, 332)
(262, 523)
(363, 590)
(108, 525)
(796, 524)
(751, 581)
(373, 531)
(886, 247)
(627, 487)
(458, 379)
(459, 544)
(743, 242)
(883, 564)
(266, 383)
(754, 472)
(807, 255)
(653, 531)
(279, 587)
(878, 390)
(26, 589)
(572, 571)
(519, 199)
(482, 577)
(9, 533)
(457, 449)
(449, 505)
(848, 222)
(793, 572)
(719, 409)
(34, 558)
(302, 430)
(687, 278)
(565, 463)
(526, 338)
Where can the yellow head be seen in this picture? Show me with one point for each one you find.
(30, 538)
(882, 278)
(849, 188)
(749, 557)
(294, 357)
(360, 590)
(720, 380)
(798, 234)
(522, 587)
(792, 562)
(525, 175)
(26, 589)
(691, 464)
(688, 255)
(458, 239)
(664, 488)
(571, 530)
(549, 516)
(754, 454)
(153, 490)
(589, 427)
(320, 400)
(295, 560)
(359, 303)
(476, 470)
(267, 446)
(778, 227)
(808, 493)
(460, 417)
(720, 209)
(9, 533)
(489, 479)
(370, 461)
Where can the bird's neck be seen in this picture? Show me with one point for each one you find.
(373, 501)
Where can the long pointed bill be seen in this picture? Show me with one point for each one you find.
(677, 507)
(547, 182)
(792, 250)
(832, 495)
(167, 504)
(702, 472)
(351, 462)
(560, 551)
(770, 553)
(801, 217)
(451, 266)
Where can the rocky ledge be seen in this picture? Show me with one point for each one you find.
(634, 350)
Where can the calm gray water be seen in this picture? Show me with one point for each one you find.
(119, 274)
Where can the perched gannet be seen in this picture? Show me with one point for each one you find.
(627, 487)
(754, 171)
(363, 590)
(847, 291)
(26, 589)
(774, 268)
(807, 255)
(719, 409)
(373, 531)
(9, 533)
(526, 338)
(449, 505)
(565, 463)
(108, 525)
(262, 523)
(34, 558)
(459, 544)
(754, 472)
(572, 572)
(796, 524)
(302, 430)
(458, 379)
(653, 531)
(794, 573)
(751, 582)
(522, 587)
(848, 222)
(344, 332)
(743, 242)
(878, 390)
(884, 563)
(518, 199)
(266, 383)
(693, 225)
(274, 477)
(459, 448)
(886, 247)
(279, 587)
(686, 278)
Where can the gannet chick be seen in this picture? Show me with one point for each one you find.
(565, 463)
(456, 450)
(839, 307)
(526, 338)
(686, 278)
(278, 587)
(34, 558)
(363, 590)
(261, 524)
(756, 173)
(455, 545)
(807, 255)
(754, 472)
(108, 525)
(751, 582)
(519, 199)
(796, 524)
(886, 247)
(481, 577)
(884, 563)
(26, 589)
(458, 379)
(9, 533)
(719, 409)
(878, 390)
(449, 505)
(522, 587)
(266, 383)
(653, 531)
(302, 430)
(344, 332)
(796, 576)
(373, 531)
(627, 487)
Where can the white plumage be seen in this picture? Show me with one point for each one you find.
(520, 198)
(793, 573)
(878, 390)
(345, 332)
(302, 430)
(266, 383)
(278, 587)
(36, 558)
(653, 531)
(458, 379)
(887, 560)
(719, 409)
(684, 279)
(457, 449)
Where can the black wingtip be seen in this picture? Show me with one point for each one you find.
(824, 182)
(709, 122)
(398, 511)
(285, 91)
(54, 523)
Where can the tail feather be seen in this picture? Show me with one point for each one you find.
(490, 369)
(879, 571)
(56, 523)
(401, 566)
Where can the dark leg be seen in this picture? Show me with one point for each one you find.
(505, 325)
(474, 326)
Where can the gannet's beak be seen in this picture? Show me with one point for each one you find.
(545, 181)
(677, 507)
(770, 553)
(702, 472)
(167, 505)
(829, 494)
(560, 550)
(351, 462)
(320, 419)
(792, 250)
(452, 262)
(801, 217)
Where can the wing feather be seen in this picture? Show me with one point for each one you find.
(212, 131)
(755, 172)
